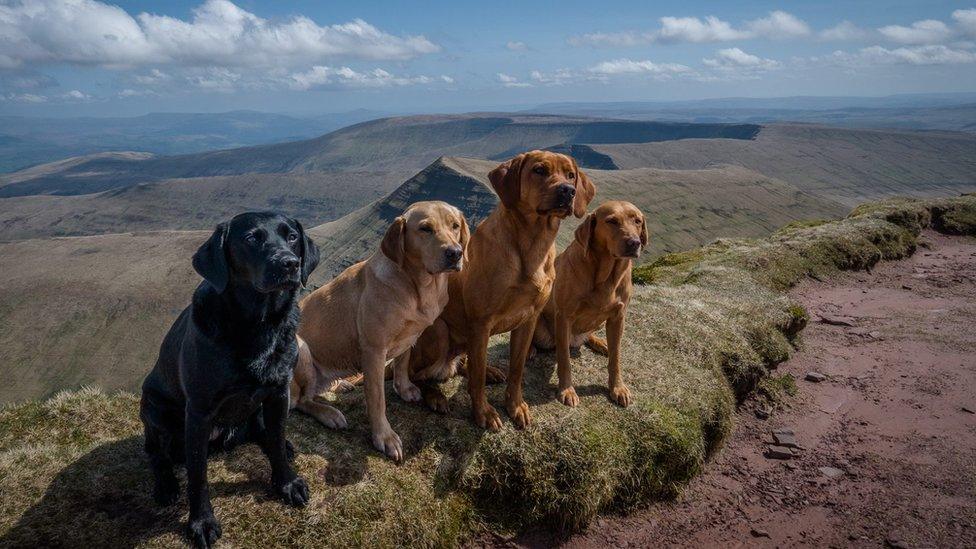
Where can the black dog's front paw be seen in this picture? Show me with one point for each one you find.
(294, 492)
(203, 532)
(290, 451)
(166, 492)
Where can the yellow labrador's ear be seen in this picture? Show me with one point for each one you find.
(585, 232)
(394, 241)
(465, 236)
(585, 191)
(506, 179)
(643, 235)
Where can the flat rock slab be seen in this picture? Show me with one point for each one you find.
(815, 377)
(786, 438)
(831, 472)
(779, 452)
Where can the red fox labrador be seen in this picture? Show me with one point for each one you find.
(593, 287)
(507, 280)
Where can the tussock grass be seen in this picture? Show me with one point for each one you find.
(704, 329)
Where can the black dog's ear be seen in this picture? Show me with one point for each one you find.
(210, 261)
(310, 253)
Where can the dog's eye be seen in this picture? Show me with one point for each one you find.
(612, 221)
(292, 238)
(540, 170)
(571, 175)
(638, 222)
(251, 238)
(426, 229)
(457, 226)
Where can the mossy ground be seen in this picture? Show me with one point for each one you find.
(698, 339)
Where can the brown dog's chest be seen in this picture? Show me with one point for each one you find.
(523, 301)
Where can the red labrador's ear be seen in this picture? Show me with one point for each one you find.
(394, 241)
(643, 235)
(506, 179)
(585, 232)
(465, 236)
(585, 191)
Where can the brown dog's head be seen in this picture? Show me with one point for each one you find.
(543, 183)
(616, 228)
(430, 235)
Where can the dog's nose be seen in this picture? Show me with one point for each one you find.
(566, 192)
(290, 263)
(633, 245)
(453, 255)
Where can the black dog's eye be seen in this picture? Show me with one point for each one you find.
(540, 170)
(292, 238)
(426, 228)
(251, 238)
(571, 175)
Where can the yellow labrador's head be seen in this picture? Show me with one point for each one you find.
(544, 183)
(430, 235)
(616, 228)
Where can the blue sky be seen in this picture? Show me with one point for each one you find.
(85, 57)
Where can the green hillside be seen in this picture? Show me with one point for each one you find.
(702, 335)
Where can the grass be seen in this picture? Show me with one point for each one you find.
(698, 339)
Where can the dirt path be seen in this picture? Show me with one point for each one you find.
(888, 440)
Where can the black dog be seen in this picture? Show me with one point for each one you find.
(224, 368)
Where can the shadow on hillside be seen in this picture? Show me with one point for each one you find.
(104, 499)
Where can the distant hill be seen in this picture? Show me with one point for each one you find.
(193, 203)
(842, 165)
(684, 208)
(26, 141)
(403, 145)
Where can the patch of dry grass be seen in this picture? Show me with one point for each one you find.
(702, 335)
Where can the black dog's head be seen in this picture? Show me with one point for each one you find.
(264, 250)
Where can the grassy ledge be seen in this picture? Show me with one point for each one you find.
(704, 328)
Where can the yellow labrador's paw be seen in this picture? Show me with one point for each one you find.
(408, 392)
(621, 395)
(568, 396)
(487, 418)
(494, 375)
(389, 443)
(519, 412)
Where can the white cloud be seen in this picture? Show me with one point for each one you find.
(628, 66)
(24, 98)
(155, 76)
(219, 33)
(516, 46)
(914, 55)
(843, 32)
(776, 25)
(323, 77)
(510, 81)
(76, 95)
(556, 78)
(735, 58)
(966, 20)
(928, 31)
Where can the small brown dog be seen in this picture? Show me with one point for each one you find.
(374, 312)
(506, 282)
(593, 287)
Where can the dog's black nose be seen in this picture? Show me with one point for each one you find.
(453, 255)
(290, 263)
(566, 192)
(633, 245)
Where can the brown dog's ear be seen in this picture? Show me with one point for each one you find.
(643, 235)
(465, 237)
(584, 233)
(210, 261)
(394, 242)
(506, 179)
(585, 191)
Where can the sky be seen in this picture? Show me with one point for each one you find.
(94, 58)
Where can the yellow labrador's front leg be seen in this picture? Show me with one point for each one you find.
(401, 379)
(384, 438)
